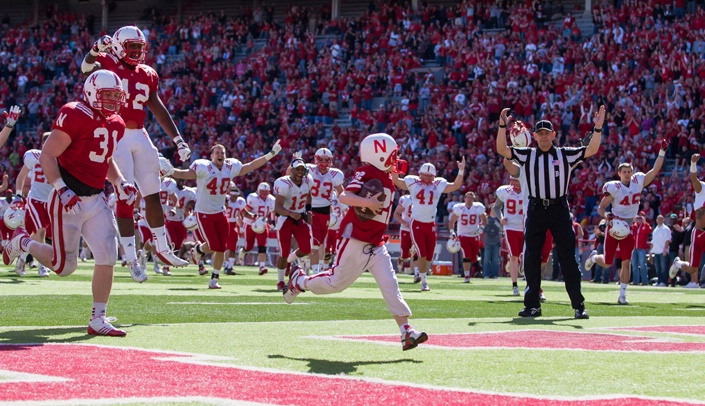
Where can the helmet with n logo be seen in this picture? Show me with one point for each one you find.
(103, 92)
(130, 45)
(379, 150)
(324, 159)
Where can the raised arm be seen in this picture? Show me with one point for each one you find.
(399, 183)
(596, 139)
(183, 174)
(10, 121)
(502, 148)
(511, 167)
(458, 182)
(697, 187)
(650, 175)
(89, 65)
(259, 162)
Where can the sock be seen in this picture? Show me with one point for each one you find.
(404, 328)
(99, 310)
(215, 274)
(128, 244)
(316, 269)
(292, 257)
(23, 256)
(301, 282)
(199, 250)
(467, 274)
(231, 261)
(321, 266)
(622, 289)
(514, 284)
(423, 277)
(25, 243)
(159, 236)
(416, 271)
(280, 274)
(261, 264)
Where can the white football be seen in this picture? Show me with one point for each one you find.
(453, 246)
(619, 229)
(259, 225)
(190, 222)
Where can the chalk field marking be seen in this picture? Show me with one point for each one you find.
(7, 376)
(236, 303)
(137, 400)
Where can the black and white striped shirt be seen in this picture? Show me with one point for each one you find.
(548, 173)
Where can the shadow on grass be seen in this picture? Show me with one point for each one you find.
(13, 281)
(274, 289)
(328, 367)
(185, 289)
(537, 321)
(44, 335)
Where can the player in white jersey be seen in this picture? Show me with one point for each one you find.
(403, 215)
(697, 236)
(509, 208)
(326, 181)
(425, 191)
(185, 203)
(213, 181)
(32, 184)
(471, 220)
(624, 195)
(293, 205)
(5, 233)
(146, 240)
(337, 211)
(234, 206)
(259, 204)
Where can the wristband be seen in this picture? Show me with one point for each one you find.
(269, 155)
(308, 207)
(59, 184)
(461, 172)
(502, 126)
(693, 167)
(178, 139)
(597, 130)
(10, 126)
(93, 52)
(662, 153)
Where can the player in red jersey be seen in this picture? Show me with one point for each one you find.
(76, 160)
(136, 156)
(361, 243)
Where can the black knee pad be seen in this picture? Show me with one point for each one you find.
(262, 250)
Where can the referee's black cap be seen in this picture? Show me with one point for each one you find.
(543, 125)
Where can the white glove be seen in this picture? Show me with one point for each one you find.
(183, 149)
(297, 155)
(165, 167)
(276, 149)
(453, 236)
(126, 192)
(12, 116)
(103, 44)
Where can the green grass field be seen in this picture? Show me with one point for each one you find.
(247, 324)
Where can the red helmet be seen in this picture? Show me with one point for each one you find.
(324, 159)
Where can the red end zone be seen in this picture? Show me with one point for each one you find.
(552, 340)
(104, 373)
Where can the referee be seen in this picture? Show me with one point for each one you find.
(548, 171)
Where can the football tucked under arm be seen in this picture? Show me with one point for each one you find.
(369, 189)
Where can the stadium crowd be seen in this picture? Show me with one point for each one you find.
(443, 74)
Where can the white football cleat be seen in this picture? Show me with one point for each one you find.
(412, 338)
(542, 297)
(166, 271)
(424, 287)
(13, 249)
(515, 291)
(590, 261)
(136, 272)
(241, 256)
(692, 285)
(142, 258)
(196, 258)
(157, 269)
(622, 301)
(170, 259)
(100, 326)
(675, 266)
(291, 289)
(43, 271)
(20, 267)
(213, 284)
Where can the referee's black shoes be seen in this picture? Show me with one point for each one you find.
(581, 313)
(531, 312)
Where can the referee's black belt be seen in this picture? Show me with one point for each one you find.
(547, 202)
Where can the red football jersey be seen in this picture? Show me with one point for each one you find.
(138, 84)
(370, 231)
(93, 140)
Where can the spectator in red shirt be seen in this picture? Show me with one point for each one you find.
(641, 230)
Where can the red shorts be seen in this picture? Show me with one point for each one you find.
(470, 246)
(515, 242)
(5, 232)
(177, 232)
(233, 236)
(197, 237)
(626, 246)
(424, 237)
(36, 216)
(319, 228)
(145, 233)
(547, 247)
(331, 240)
(301, 232)
(251, 236)
(697, 247)
(214, 229)
(405, 244)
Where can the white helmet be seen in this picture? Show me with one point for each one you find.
(263, 188)
(379, 150)
(428, 169)
(125, 36)
(520, 135)
(619, 229)
(165, 167)
(94, 87)
(323, 158)
(333, 220)
(14, 217)
(259, 225)
(190, 222)
(453, 245)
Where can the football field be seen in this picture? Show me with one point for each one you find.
(242, 344)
